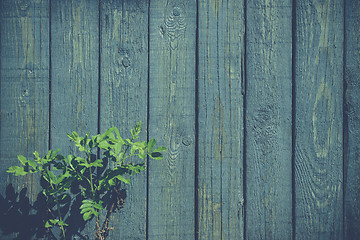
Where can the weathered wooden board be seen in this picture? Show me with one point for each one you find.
(319, 115)
(268, 120)
(74, 73)
(172, 118)
(220, 105)
(352, 123)
(24, 75)
(123, 99)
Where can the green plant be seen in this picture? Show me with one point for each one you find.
(98, 181)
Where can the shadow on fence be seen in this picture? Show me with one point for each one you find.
(27, 221)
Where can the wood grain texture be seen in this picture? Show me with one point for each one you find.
(352, 123)
(268, 120)
(74, 74)
(221, 61)
(124, 87)
(74, 69)
(24, 99)
(172, 118)
(319, 115)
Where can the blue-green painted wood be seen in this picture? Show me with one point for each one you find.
(319, 115)
(74, 74)
(169, 212)
(268, 120)
(172, 118)
(352, 130)
(124, 87)
(24, 84)
(220, 167)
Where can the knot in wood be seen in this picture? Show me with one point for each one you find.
(126, 62)
(176, 12)
(187, 141)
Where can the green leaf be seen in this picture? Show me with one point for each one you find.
(32, 164)
(22, 159)
(156, 155)
(52, 177)
(48, 224)
(160, 149)
(121, 178)
(104, 145)
(18, 171)
(54, 153)
(48, 154)
(133, 149)
(117, 148)
(151, 145)
(117, 132)
(106, 133)
(97, 163)
(87, 216)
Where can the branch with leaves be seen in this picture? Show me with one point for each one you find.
(94, 176)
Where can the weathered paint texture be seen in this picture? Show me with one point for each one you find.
(319, 120)
(352, 121)
(123, 96)
(220, 142)
(257, 102)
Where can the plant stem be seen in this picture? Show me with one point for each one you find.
(58, 210)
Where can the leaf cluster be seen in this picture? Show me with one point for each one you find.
(94, 177)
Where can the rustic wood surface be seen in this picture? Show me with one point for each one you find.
(268, 120)
(319, 116)
(171, 181)
(220, 112)
(74, 77)
(352, 121)
(24, 125)
(123, 97)
(256, 101)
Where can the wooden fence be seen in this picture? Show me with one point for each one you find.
(257, 101)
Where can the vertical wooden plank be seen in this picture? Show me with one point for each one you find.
(319, 114)
(124, 87)
(268, 120)
(172, 118)
(221, 61)
(352, 132)
(74, 70)
(74, 73)
(24, 75)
